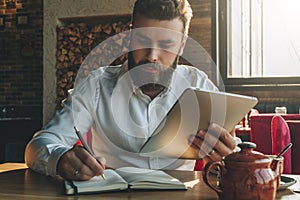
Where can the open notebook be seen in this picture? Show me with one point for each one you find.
(125, 178)
(194, 111)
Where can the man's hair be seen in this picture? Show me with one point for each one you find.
(164, 10)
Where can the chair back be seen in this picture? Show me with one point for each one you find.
(260, 125)
(199, 165)
(294, 126)
(281, 138)
(261, 135)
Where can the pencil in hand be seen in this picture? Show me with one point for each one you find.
(86, 147)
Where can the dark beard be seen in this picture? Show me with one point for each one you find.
(149, 82)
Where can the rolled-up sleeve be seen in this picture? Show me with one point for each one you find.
(46, 147)
(42, 156)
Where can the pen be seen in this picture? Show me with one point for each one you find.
(86, 146)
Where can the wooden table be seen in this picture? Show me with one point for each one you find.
(18, 182)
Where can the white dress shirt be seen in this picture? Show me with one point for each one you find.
(120, 117)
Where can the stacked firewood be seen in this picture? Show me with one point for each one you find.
(82, 47)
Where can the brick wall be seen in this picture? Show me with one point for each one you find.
(21, 58)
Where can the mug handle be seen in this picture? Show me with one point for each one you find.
(205, 175)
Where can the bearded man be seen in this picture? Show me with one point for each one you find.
(121, 106)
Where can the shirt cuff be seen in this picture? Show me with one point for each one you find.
(53, 160)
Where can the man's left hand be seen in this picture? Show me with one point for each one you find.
(214, 143)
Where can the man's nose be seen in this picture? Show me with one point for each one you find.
(153, 54)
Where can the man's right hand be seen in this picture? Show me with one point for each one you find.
(79, 164)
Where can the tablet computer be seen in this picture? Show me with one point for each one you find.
(195, 110)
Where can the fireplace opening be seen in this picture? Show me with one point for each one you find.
(77, 38)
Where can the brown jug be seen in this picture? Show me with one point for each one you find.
(246, 175)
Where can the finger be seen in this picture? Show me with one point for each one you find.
(90, 165)
(208, 141)
(101, 161)
(69, 167)
(196, 143)
(232, 132)
(223, 135)
(214, 155)
(211, 142)
(219, 146)
(203, 147)
(81, 164)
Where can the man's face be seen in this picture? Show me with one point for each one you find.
(156, 45)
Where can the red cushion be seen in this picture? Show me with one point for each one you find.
(260, 133)
(294, 126)
(199, 165)
(280, 138)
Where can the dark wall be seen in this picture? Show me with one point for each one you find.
(21, 75)
(21, 60)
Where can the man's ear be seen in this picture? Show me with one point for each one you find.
(183, 42)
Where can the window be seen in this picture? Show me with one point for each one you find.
(259, 42)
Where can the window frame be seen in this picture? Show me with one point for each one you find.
(273, 83)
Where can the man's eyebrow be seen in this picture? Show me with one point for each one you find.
(139, 34)
(165, 41)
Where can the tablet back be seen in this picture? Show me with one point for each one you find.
(194, 111)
